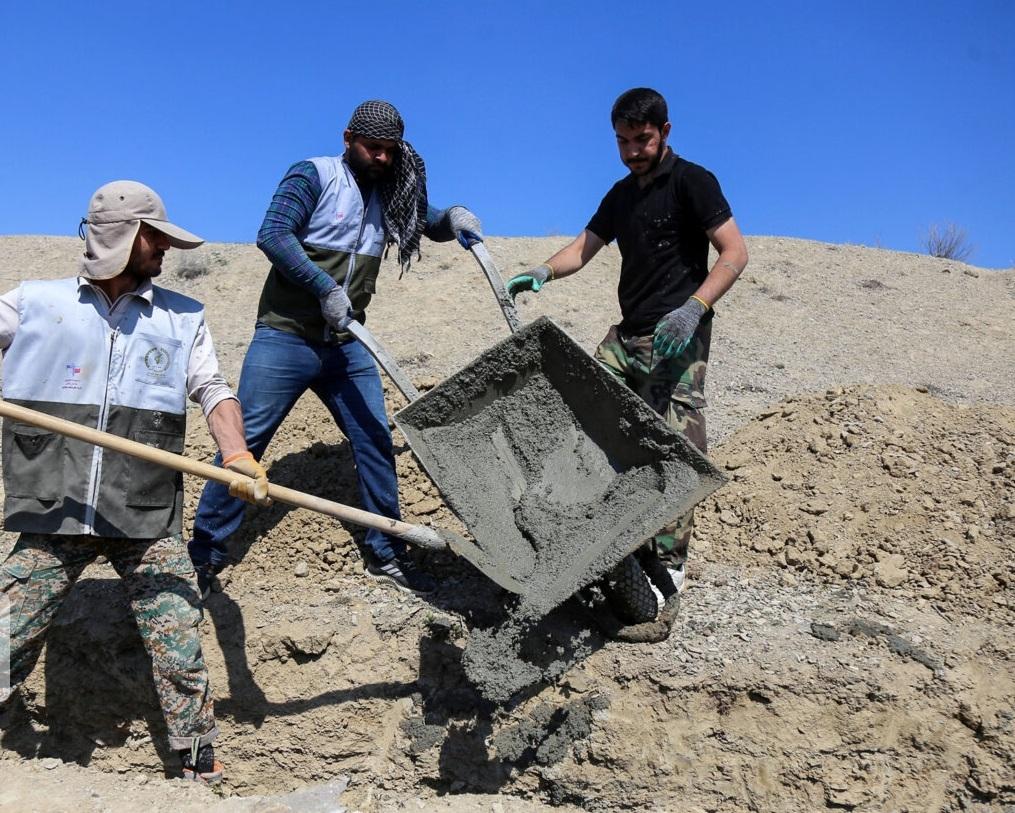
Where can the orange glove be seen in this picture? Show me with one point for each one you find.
(255, 492)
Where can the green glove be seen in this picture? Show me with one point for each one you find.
(675, 329)
(530, 281)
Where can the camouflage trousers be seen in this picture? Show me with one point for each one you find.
(162, 590)
(674, 388)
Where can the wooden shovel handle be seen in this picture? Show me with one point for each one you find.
(416, 534)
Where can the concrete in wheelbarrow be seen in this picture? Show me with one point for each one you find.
(557, 469)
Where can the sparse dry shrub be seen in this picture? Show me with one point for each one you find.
(948, 241)
(192, 267)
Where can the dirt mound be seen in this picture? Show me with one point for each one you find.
(785, 686)
(882, 487)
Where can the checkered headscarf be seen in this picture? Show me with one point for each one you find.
(404, 191)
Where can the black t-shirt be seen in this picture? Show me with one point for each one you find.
(660, 230)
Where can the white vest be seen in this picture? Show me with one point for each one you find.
(67, 360)
(339, 223)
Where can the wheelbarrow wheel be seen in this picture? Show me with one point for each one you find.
(628, 592)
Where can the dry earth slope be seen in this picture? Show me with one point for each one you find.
(846, 642)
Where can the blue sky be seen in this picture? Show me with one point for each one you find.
(855, 122)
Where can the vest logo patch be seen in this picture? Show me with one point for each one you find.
(72, 377)
(157, 360)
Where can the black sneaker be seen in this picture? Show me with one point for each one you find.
(402, 573)
(200, 765)
(205, 579)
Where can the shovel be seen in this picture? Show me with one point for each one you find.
(418, 535)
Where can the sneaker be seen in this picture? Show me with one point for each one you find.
(200, 765)
(402, 573)
(205, 579)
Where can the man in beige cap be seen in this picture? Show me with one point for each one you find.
(110, 350)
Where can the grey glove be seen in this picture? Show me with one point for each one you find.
(675, 329)
(336, 308)
(530, 281)
(461, 220)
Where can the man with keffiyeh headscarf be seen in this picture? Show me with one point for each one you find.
(325, 232)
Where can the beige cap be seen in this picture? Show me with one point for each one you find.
(115, 214)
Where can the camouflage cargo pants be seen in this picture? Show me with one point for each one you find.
(162, 590)
(674, 388)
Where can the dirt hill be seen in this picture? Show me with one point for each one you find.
(845, 642)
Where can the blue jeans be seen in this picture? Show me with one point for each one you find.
(279, 367)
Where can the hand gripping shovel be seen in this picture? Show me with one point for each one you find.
(417, 535)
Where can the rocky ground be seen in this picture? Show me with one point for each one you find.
(845, 643)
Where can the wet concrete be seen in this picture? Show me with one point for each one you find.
(558, 471)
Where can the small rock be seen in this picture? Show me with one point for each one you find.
(302, 569)
(50, 763)
(727, 517)
(578, 681)
(427, 506)
(890, 571)
(825, 632)
(819, 539)
(737, 460)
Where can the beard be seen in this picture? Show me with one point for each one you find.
(148, 269)
(366, 170)
(643, 167)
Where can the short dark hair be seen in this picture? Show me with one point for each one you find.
(640, 106)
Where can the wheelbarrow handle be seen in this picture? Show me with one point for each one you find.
(387, 363)
(414, 534)
(507, 305)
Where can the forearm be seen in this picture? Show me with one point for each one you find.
(574, 256)
(728, 266)
(225, 423)
(720, 279)
(438, 228)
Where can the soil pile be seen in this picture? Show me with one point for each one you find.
(880, 487)
(783, 687)
(845, 643)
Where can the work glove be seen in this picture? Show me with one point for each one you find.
(465, 225)
(255, 492)
(336, 308)
(674, 331)
(530, 281)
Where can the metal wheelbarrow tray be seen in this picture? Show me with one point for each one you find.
(558, 470)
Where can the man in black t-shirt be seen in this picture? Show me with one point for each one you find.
(663, 215)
